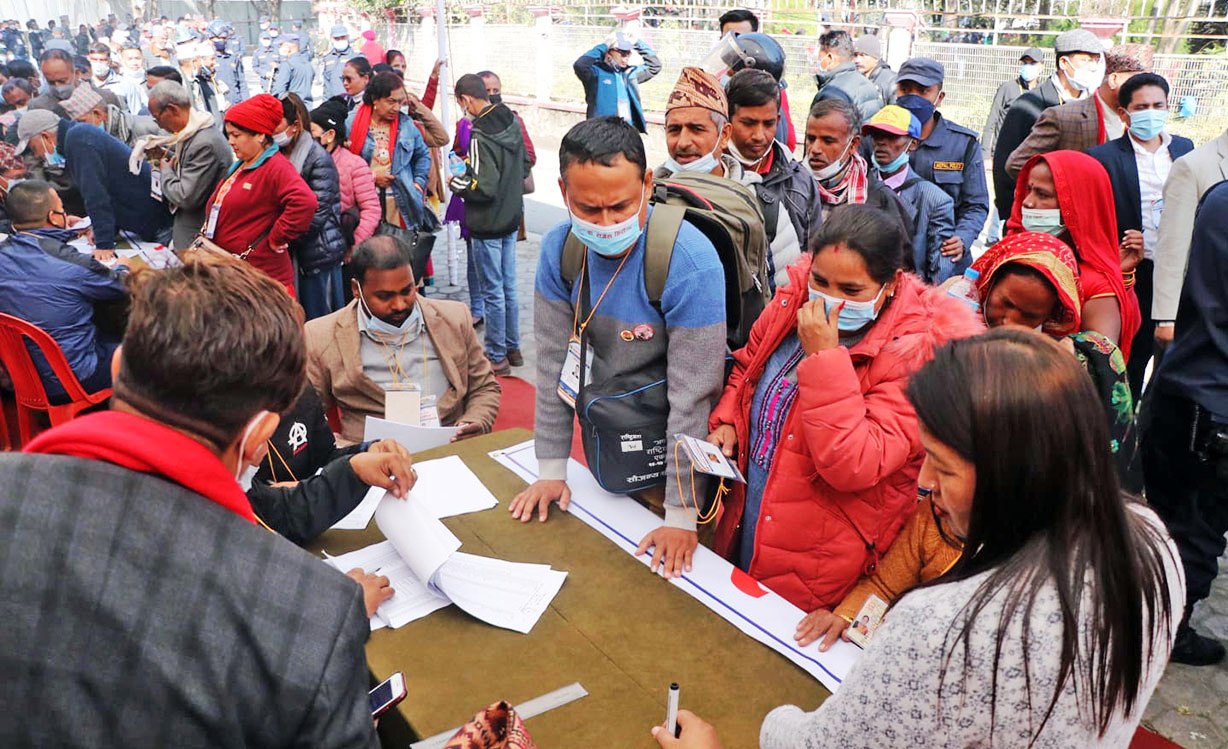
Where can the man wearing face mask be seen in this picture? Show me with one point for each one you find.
(1078, 71)
(85, 105)
(612, 84)
(264, 60)
(294, 73)
(697, 128)
(102, 76)
(948, 155)
(196, 397)
(228, 62)
(678, 343)
(61, 78)
(47, 282)
(492, 187)
(895, 134)
(833, 142)
(97, 165)
(494, 90)
(1138, 164)
(390, 338)
(333, 62)
(783, 186)
(1084, 124)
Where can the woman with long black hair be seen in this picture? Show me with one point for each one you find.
(1056, 624)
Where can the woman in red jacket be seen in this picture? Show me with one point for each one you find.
(816, 413)
(263, 203)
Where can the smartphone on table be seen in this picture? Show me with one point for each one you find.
(387, 695)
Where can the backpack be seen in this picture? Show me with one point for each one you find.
(728, 214)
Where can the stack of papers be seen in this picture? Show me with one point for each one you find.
(445, 487)
(423, 564)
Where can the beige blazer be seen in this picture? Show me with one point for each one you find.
(1073, 126)
(1191, 176)
(334, 367)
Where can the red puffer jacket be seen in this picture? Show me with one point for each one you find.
(844, 477)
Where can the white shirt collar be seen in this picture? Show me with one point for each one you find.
(1165, 140)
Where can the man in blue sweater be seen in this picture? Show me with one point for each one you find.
(97, 165)
(676, 342)
(611, 82)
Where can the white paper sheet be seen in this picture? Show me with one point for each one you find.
(360, 517)
(447, 487)
(421, 540)
(411, 437)
(411, 600)
(752, 608)
(506, 594)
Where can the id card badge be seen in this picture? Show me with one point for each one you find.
(569, 378)
(403, 406)
(211, 224)
(867, 620)
(155, 184)
(428, 412)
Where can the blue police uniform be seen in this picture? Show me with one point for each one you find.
(951, 158)
(264, 62)
(333, 62)
(294, 75)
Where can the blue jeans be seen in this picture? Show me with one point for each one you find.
(495, 263)
(321, 293)
(477, 307)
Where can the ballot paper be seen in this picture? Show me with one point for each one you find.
(411, 436)
(421, 559)
(445, 487)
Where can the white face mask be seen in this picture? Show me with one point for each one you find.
(748, 163)
(703, 165)
(282, 139)
(100, 69)
(1087, 78)
(341, 45)
(832, 169)
(1043, 220)
(242, 467)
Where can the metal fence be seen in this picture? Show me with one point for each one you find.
(534, 64)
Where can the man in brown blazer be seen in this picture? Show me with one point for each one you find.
(1083, 124)
(390, 338)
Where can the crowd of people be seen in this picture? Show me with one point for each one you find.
(1005, 422)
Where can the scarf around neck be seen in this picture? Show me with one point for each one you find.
(852, 186)
(362, 127)
(197, 121)
(146, 446)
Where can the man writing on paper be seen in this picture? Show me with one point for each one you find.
(669, 353)
(142, 596)
(391, 340)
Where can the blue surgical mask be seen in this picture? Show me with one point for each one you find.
(703, 165)
(1043, 220)
(854, 315)
(612, 240)
(1148, 123)
(894, 165)
(54, 159)
(920, 107)
(1029, 71)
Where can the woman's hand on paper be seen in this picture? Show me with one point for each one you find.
(537, 499)
(820, 623)
(375, 589)
(387, 470)
(695, 733)
(726, 438)
(672, 550)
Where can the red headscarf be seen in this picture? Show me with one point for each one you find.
(1050, 257)
(1085, 198)
(261, 113)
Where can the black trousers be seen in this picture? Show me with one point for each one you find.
(1187, 484)
(1144, 344)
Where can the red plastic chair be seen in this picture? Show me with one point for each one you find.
(31, 395)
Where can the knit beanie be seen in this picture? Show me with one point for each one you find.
(331, 115)
(261, 113)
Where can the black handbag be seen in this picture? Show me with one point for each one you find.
(623, 423)
(419, 241)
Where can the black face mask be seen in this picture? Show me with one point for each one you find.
(220, 46)
(496, 98)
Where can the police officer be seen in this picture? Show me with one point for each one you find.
(229, 70)
(294, 72)
(264, 60)
(949, 155)
(333, 62)
(306, 48)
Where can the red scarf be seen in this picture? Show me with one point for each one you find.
(362, 126)
(851, 188)
(145, 446)
(1101, 136)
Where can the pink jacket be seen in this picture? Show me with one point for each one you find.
(844, 476)
(358, 188)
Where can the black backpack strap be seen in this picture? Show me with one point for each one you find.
(771, 211)
(571, 260)
(662, 232)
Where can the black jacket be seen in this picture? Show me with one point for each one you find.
(1016, 127)
(323, 246)
(494, 195)
(302, 445)
(1002, 100)
(1117, 158)
(883, 77)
